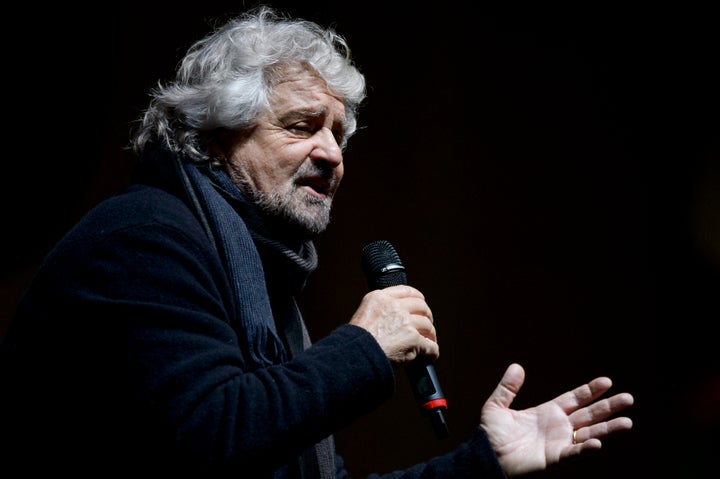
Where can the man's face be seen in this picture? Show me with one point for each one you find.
(291, 164)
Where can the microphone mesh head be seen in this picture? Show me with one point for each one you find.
(382, 265)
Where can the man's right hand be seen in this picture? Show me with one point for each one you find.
(401, 322)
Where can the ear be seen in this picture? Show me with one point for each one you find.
(217, 144)
(222, 142)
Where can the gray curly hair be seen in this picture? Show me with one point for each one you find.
(224, 80)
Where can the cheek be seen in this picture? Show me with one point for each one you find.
(279, 171)
(260, 162)
(258, 172)
(290, 158)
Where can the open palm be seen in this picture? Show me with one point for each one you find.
(535, 438)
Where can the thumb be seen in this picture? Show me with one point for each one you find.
(508, 387)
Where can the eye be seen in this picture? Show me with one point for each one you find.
(302, 127)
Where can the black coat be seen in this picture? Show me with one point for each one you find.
(123, 358)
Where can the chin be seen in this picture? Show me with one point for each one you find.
(307, 224)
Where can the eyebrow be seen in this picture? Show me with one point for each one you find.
(304, 113)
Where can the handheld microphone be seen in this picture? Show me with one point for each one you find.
(383, 268)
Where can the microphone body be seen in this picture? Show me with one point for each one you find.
(383, 268)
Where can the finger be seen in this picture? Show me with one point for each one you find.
(508, 387)
(408, 298)
(603, 429)
(600, 410)
(583, 395)
(416, 345)
(403, 291)
(418, 307)
(426, 327)
(420, 325)
(429, 348)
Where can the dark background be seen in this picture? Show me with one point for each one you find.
(550, 178)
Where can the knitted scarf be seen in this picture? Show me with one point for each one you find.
(237, 230)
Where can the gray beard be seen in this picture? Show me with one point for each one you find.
(305, 214)
(297, 212)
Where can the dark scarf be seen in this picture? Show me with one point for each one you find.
(239, 233)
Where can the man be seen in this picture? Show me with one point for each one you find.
(161, 334)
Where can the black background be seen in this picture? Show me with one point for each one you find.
(550, 179)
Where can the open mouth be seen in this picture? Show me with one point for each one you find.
(317, 186)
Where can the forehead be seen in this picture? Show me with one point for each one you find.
(296, 85)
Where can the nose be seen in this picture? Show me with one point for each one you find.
(327, 147)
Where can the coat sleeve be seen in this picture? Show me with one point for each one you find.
(472, 459)
(190, 379)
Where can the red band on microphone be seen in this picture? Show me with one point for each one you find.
(435, 403)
